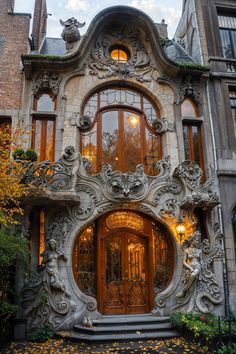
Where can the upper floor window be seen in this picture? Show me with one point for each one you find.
(44, 103)
(43, 137)
(227, 26)
(232, 95)
(192, 133)
(122, 131)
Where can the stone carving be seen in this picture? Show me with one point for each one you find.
(170, 187)
(138, 65)
(200, 199)
(128, 185)
(170, 209)
(200, 288)
(46, 82)
(163, 125)
(189, 88)
(70, 32)
(190, 173)
(44, 297)
(82, 122)
(88, 199)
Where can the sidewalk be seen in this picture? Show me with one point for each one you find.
(53, 346)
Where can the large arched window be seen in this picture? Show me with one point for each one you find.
(122, 132)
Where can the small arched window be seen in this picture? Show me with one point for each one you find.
(192, 133)
(122, 131)
(44, 103)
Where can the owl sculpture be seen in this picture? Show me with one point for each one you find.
(70, 32)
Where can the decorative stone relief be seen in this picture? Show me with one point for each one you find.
(197, 195)
(46, 82)
(44, 297)
(189, 88)
(70, 32)
(82, 122)
(163, 125)
(170, 209)
(138, 66)
(200, 289)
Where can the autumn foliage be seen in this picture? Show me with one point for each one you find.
(12, 190)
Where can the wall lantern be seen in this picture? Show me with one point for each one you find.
(180, 230)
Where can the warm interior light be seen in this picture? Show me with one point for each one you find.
(133, 120)
(119, 55)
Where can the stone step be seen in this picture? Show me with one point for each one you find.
(132, 328)
(91, 338)
(129, 319)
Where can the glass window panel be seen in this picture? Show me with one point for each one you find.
(149, 111)
(227, 21)
(226, 44)
(233, 41)
(132, 141)
(45, 103)
(186, 144)
(188, 109)
(37, 129)
(152, 153)
(110, 139)
(89, 147)
(50, 141)
(196, 143)
(91, 106)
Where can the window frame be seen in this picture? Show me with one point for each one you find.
(144, 123)
(43, 133)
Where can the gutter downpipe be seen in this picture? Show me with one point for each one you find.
(219, 209)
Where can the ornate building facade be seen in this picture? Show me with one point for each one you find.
(126, 219)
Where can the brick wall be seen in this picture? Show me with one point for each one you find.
(40, 22)
(14, 32)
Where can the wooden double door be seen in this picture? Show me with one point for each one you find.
(125, 282)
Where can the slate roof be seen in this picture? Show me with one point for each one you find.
(57, 46)
(53, 46)
(177, 53)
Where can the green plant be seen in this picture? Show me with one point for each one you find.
(193, 66)
(18, 154)
(31, 155)
(41, 334)
(227, 349)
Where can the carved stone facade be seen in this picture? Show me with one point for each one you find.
(75, 203)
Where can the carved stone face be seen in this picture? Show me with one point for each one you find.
(126, 186)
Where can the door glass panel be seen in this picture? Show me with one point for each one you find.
(162, 260)
(110, 139)
(50, 141)
(132, 141)
(113, 284)
(84, 262)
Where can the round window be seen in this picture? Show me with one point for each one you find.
(119, 54)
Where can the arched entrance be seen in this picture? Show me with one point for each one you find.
(124, 259)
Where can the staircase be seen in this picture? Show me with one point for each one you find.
(123, 328)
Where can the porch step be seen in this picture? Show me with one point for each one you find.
(123, 328)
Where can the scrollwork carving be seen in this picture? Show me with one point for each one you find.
(82, 122)
(189, 88)
(170, 209)
(163, 125)
(138, 66)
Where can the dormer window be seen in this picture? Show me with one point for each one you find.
(120, 54)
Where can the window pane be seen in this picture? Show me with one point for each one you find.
(120, 97)
(196, 143)
(188, 109)
(43, 133)
(49, 154)
(186, 144)
(91, 106)
(132, 141)
(226, 45)
(152, 153)
(89, 147)
(45, 103)
(149, 111)
(110, 139)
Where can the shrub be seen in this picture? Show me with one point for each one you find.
(41, 334)
(31, 155)
(227, 349)
(18, 154)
